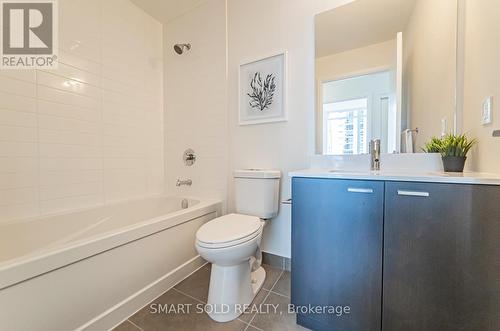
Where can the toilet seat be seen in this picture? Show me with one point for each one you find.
(229, 230)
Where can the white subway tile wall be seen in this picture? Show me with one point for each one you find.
(90, 132)
(196, 103)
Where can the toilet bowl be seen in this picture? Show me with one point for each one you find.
(231, 244)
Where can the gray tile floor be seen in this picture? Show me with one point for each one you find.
(194, 291)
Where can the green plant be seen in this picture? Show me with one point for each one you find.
(433, 146)
(450, 145)
(456, 145)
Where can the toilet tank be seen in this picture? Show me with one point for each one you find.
(257, 192)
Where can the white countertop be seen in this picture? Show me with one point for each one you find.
(432, 177)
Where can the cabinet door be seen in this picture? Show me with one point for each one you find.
(441, 257)
(337, 252)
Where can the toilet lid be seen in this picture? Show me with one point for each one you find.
(228, 228)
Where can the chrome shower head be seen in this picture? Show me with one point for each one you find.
(179, 48)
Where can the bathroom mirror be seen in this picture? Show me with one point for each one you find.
(385, 69)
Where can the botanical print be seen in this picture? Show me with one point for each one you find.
(262, 90)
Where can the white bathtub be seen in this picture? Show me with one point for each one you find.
(89, 270)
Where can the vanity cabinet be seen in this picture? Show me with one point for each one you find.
(441, 257)
(402, 255)
(337, 252)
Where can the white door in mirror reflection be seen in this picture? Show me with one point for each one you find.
(356, 110)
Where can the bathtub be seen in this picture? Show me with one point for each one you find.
(91, 269)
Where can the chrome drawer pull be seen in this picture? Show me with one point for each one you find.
(359, 190)
(413, 193)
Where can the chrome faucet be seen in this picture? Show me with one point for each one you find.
(187, 182)
(375, 154)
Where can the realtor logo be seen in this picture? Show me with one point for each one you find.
(29, 34)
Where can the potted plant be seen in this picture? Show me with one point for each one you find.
(453, 150)
(433, 146)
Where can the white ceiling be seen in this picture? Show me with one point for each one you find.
(167, 10)
(360, 23)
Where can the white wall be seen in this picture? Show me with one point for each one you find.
(256, 29)
(482, 79)
(429, 74)
(196, 102)
(90, 132)
(358, 61)
(201, 98)
(357, 87)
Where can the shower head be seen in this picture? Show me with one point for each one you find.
(179, 48)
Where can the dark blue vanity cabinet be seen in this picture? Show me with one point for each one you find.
(337, 230)
(402, 255)
(441, 257)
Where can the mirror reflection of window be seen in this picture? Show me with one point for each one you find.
(413, 40)
(356, 110)
(345, 124)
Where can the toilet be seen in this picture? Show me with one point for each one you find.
(232, 244)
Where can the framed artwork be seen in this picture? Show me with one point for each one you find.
(262, 90)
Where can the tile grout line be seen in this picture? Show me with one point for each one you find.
(104, 194)
(137, 326)
(253, 327)
(281, 295)
(100, 87)
(187, 295)
(86, 71)
(277, 280)
(272, 288)
(263, 301)
(248, 324)
(200, 301)
(253, 317)
(38, 153)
